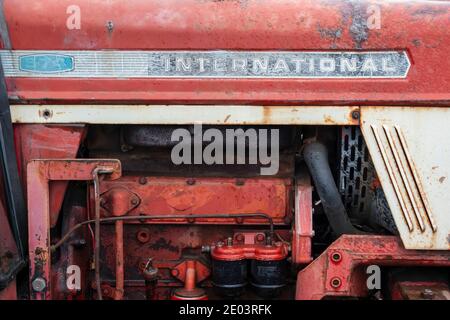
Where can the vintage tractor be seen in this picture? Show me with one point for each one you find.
(241, 149)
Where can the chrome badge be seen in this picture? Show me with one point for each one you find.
(206, 64)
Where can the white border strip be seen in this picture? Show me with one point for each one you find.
(185, 114)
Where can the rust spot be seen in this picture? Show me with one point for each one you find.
(163, 244)
(416, 43)
(430, 10)
(267, 114)
(109, 26)
(329, 33)
(328, 120)
(356, 13)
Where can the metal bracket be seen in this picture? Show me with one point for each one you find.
(335, 272)
(40, 172)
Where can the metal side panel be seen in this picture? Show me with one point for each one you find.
(410, 148)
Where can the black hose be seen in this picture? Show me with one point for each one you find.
(316, 158)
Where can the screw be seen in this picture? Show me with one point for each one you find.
(39, 284)
(143, 180)
(190, 182)
(190, 220)
(427, 294)
(239, 237)
(260, 237)
(109, 25)
(46, 113)
(229, 241)
(335, 282)
(355, 114)
(134, 201)
(240, 182)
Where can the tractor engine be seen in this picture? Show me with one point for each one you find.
(205, 150)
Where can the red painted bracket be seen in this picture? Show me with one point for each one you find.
(303, 227)
(39, 173)
(335, 272)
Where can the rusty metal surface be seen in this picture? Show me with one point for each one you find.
(181, 196)
(77, 251)
(202, 271)
(418, 27)
(410, 151)
(170, 246)
(302, 232)
(186, 114)
(420, 290)
(47, 142)
(9, 256)
(336, 271)
(39, 173)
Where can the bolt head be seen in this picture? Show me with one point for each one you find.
(39, 284)
(260, 237)
(239, 237)
(355, 114)
(428, 294)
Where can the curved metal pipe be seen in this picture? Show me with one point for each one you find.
(316, 158)
(165, 217)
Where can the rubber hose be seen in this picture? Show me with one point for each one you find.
(316, 158)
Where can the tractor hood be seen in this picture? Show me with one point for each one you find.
(249, 51)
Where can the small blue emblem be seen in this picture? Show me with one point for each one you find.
(46, 63)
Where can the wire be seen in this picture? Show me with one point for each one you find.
(163, 217)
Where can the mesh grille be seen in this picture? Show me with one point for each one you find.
(356, 174)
